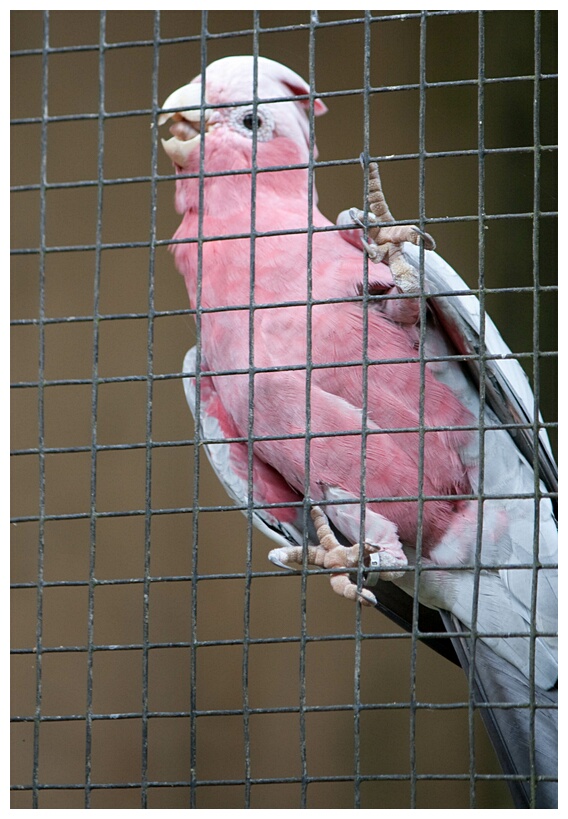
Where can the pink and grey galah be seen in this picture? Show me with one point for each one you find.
(339, 401)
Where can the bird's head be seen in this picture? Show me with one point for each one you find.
(225, 116)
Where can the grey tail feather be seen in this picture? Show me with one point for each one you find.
(516, 736)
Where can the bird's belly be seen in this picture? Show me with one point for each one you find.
(274, 349)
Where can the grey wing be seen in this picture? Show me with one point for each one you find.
(508, 391)
(524, 737)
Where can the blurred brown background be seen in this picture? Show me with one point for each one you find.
(116, 617)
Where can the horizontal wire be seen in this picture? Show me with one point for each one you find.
(196, 38)
(285, 709)
(284, 505)
(348, 92)
(281, 640)
(309, 572)
(261, 234)
(122, 379)
(371, 298)
(84, 183)
(286, 780)
(73, 450)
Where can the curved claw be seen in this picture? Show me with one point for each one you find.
(354, 214)
(277, 562)
(372, 251)
(368, 598)
(429, 242)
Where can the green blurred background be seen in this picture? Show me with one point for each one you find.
(441, 745)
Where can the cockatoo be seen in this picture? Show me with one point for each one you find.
(340, 393)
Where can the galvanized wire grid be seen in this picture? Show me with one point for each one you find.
(199, 506)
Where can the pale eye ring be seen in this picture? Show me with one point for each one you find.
(247, 120)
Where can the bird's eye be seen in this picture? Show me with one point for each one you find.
(248, 122)
(252, 122)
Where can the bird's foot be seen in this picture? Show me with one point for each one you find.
(330, 554)
(385, 241)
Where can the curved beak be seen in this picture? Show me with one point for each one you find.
(186, 124)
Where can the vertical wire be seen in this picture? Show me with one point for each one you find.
(364, 428)
(149, 405)
(94, 413)
(536, 393)
(482, 400)
(421, 408)
(41, 412)
(314, 21)
(197, 437)
(250, 420)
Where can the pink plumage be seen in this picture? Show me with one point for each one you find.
(280, 334)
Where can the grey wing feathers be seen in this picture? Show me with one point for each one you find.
(507, 388)
(525, 738)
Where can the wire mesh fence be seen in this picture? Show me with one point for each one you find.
(159, 660)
